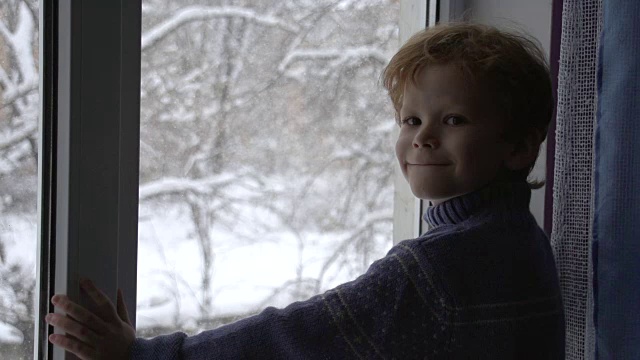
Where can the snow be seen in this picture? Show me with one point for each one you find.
(17, 136)
(195, 13)
(346, 5)
(180, 185)
(245, 274)
(341, 54)
(9, 334)
(249, 264)
(20, 39)
(20, 43)
(19, 235)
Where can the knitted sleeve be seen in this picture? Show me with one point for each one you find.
(393, 310)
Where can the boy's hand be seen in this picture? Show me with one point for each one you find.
(108, 334)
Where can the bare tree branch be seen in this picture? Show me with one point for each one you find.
(369, 221)
(22, 50)
(171, 186)
(199, 13)
(18, 136)
(5, 81)
(342, 55)
(17, 92)
(4, 30)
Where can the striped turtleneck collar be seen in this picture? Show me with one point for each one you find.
(509, 195)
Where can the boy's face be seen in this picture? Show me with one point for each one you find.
(449, 142)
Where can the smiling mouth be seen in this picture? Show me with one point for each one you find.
(428, 164)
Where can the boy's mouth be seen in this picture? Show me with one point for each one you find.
(429, 164)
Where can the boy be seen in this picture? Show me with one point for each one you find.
(473, 104)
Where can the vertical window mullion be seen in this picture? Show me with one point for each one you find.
(94, 215)
(129, 153)
(48, 31)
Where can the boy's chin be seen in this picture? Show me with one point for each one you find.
(436, 197)
(439, 193)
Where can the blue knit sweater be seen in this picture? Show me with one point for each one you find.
(480, 284)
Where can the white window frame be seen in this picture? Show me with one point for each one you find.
(88, 221)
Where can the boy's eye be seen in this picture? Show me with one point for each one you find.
(454, 120)
(411, 120)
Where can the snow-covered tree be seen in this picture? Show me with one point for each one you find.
(18, 168)
(236, 92)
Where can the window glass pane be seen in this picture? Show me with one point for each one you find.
(266, 154)
(19, 109)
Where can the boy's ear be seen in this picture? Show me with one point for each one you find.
(525, 152)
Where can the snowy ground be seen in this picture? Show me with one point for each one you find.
(169, 267)
(19, 236)
(245, 274)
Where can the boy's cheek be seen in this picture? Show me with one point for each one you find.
(400, 153)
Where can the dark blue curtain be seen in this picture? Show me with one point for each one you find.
(616, 245)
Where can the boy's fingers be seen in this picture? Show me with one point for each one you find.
(73, 345)
(77, 330)
(103, 303)
(122, 308)
(79, 313)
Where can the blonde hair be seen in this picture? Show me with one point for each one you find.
(512, 64)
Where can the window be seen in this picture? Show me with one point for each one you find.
(90, 142)
(282, 156)
(19, 109)
(266, 155)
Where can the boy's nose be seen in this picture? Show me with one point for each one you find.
(426, 138)
(427, 143)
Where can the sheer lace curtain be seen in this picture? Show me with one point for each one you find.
(573, 174)
(596, 188)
